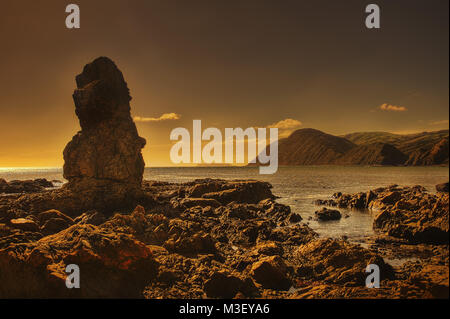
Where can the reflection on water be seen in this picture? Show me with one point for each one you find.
(298, 186)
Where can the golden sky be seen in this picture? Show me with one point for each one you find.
(229, 63)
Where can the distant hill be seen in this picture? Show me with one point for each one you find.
(426, 148)
(373, 154)
(313, 147)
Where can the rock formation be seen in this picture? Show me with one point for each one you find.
(408, 213)
(106, 153)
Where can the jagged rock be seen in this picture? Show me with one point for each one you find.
(409, 213)
(106, 154)
(111, 265)
(391, 198)
(201, 250)
(339, 262)
(28, 186)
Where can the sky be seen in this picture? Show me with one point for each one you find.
(286, 64)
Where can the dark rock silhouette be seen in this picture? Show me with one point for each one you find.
(107, 150)
(325, 214)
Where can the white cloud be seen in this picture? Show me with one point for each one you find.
(285, 127)
(164, 117)
(393, 108)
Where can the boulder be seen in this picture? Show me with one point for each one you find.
(326, 214)
(271, 273)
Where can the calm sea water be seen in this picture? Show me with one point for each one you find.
(298, 186)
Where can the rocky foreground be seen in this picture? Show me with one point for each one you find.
(218, 239)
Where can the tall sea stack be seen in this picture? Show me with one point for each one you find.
(105, 156)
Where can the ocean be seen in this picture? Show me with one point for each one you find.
(297, 187)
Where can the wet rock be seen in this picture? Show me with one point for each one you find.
(408, 213)
(326, 214)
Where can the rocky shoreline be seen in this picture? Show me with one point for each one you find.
(217, 239)
(208, 238)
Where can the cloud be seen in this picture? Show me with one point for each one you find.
(443, 122)
(285, 127)
(164, 117)
(393, 108)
